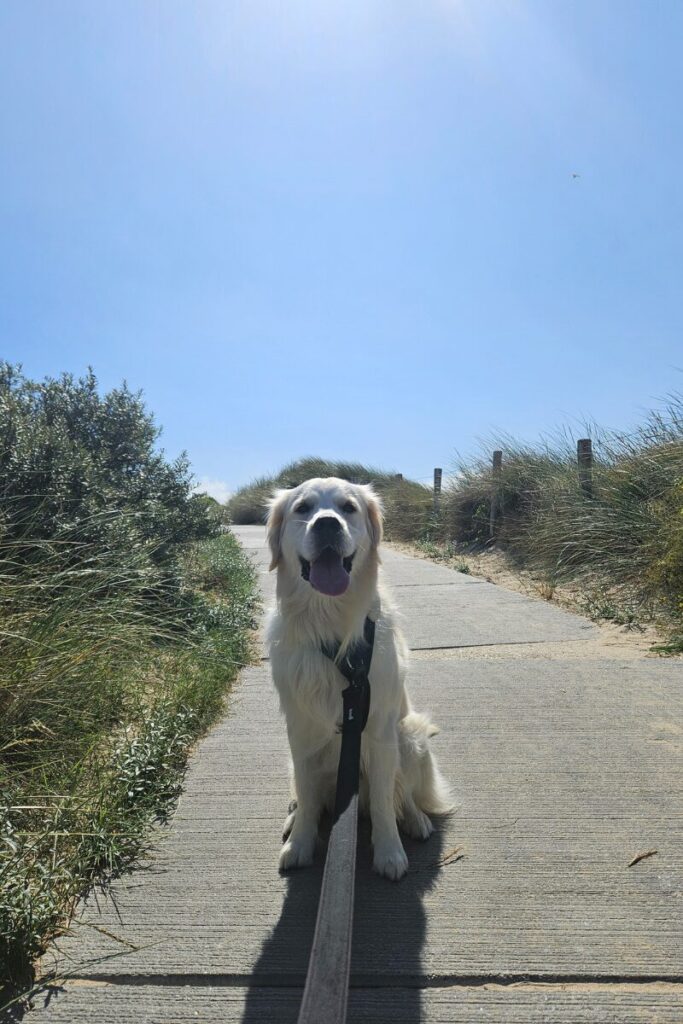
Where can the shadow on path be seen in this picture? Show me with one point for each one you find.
(388, 935)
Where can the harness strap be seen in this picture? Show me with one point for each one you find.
(355, 667)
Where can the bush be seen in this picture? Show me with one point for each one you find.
(70, 458)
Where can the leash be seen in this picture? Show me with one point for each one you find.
(327, 981)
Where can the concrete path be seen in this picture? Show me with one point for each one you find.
(565, 770)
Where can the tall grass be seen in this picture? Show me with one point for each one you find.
(408, 505)
(108, 671)
(624, 539)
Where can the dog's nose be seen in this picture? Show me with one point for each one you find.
(327, 528)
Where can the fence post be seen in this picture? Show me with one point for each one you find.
(437, 488)
(495, 496)
(584, 454)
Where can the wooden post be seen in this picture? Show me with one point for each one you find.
(437, 488)
(495, 493)
(584, 454)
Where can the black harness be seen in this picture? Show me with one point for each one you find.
(355, 667)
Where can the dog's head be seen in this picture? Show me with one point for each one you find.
(324, 531)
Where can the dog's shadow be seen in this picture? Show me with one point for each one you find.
(388, 936)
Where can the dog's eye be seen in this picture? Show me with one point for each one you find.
(303, 508)
(349, 507)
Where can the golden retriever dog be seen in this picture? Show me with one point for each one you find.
(324, 537)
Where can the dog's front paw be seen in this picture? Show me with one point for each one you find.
(391, 861)
(296, 853)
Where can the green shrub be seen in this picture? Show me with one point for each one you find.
(69, 458)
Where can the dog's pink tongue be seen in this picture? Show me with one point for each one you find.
(328, 574)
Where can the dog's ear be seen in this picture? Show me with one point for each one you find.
(276, 514)
(375, 517)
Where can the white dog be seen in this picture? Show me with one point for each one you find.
(324, 537)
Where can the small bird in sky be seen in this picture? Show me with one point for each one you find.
(575, 175)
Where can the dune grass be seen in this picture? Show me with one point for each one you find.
(104, 686)
(621, 545)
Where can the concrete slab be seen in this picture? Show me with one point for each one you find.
(451, 616)
(401, 570)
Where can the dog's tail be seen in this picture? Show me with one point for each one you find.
(431, 791)
(435, 796)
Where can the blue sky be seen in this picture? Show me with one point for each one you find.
(349, 229)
